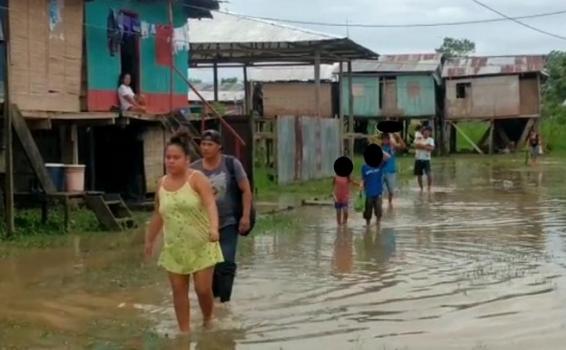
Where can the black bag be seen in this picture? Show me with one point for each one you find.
(237, 195)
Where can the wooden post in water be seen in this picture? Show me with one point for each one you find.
(8, 137)
(351, 110)
(171, 79)
(341, 106)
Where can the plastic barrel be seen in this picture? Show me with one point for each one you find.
(57, 174)
(75, 177)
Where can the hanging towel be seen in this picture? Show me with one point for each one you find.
(144, 30)
(181, 39)
(163, 45)
(113, 33)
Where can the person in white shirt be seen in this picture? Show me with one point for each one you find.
(424, 145)
(129, 101)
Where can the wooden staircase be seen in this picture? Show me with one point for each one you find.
(111, 211)
(177, 121)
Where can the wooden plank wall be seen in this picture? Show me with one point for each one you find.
(153, 149)
(46, 64)
(296, 99)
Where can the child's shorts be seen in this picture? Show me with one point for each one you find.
(373, 206)
(339, 205)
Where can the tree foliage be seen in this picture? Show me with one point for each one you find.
(554, 92)
(452, 47)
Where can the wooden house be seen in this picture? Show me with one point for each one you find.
(395, 86)
(290, 90)
(64, 62)
(504, 91)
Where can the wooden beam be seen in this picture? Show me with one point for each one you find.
(350, 109)
(215, 78)
(467, 138)
(317, 83)
(74, 138)
(9, 208)
(40, 124)
(341, 105)
(525, 134)
(491, 137)
(486, 135)
(32, 152)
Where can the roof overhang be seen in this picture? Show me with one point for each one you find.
(235, 39)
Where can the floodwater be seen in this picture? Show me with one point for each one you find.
(479, 263)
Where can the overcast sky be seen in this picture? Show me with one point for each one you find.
(491, 39)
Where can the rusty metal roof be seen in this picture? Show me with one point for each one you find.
(408, 63)
(493, 65)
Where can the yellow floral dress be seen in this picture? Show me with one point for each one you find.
(186, 228)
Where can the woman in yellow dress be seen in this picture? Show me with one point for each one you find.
(185, 209)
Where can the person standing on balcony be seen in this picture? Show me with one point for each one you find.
(228, 179)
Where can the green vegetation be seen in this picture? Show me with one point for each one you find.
(456, 47)
(474, 130)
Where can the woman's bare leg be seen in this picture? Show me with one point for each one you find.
(180, 288)
(203, 288)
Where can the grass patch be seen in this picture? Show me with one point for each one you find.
(554, 135)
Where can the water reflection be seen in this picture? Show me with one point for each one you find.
(478, 263)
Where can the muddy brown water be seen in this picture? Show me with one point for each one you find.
(479, 263)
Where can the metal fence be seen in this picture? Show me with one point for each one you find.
(306, 148)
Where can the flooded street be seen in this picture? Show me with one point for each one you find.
(479, 263)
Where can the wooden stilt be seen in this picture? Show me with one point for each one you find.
(525, 134)
(491, 137)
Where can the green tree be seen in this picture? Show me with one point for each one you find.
(229, 81)
(195, 81)
(456, 47)
(554, 90)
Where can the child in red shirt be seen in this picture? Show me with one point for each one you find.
(341, 195)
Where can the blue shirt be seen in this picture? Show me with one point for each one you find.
(390, 166)
(373, 180)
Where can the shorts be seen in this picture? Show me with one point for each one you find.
(389, 182)
(535, 151)
(373, 206)
(422, 167)
(340, 205)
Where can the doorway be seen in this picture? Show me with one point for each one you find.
(129, 48)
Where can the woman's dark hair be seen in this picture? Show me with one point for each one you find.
(182, 139)
(121, 78)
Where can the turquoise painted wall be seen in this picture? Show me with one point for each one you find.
(104, 70)
(366, 96)
(416, 95)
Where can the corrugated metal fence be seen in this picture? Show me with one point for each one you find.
(306, 148)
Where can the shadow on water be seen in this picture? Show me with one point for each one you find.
(478, 263)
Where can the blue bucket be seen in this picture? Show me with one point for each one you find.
(57, 174)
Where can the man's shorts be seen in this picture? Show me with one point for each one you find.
(422, 167)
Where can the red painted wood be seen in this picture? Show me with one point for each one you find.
(104, 101)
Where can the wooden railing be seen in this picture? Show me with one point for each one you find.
(239, 141)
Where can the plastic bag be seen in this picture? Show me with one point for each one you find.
(360, 202)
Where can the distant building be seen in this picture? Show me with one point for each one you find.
(502, 90)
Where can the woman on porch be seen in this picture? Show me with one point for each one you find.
(129, 101)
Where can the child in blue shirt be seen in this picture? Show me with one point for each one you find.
(373, 188)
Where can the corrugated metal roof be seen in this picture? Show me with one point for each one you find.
(425, 63)
(493, 65)
(232, 38)
(233, 28)
(290, 73)
(223, 96)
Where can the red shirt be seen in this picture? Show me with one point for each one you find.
(342, 189)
